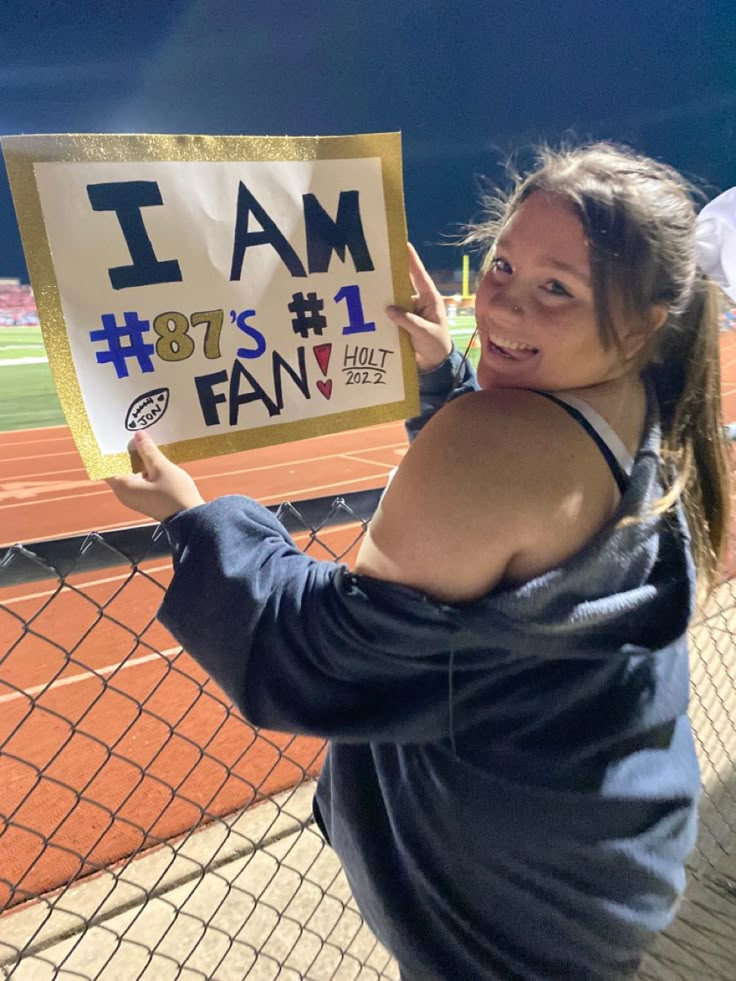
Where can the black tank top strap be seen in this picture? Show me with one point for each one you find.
(619, 471)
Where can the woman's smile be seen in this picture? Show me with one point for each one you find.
(509, 349)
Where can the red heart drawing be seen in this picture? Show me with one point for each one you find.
(325, 388)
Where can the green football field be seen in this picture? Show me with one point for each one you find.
(28, 398)
(462, 329)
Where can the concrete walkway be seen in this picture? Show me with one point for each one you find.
(259, 895)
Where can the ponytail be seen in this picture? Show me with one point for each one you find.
(694, 447)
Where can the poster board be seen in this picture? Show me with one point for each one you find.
(222, 292)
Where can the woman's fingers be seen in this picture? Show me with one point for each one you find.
(421, 281)
(431, 341)
(426, 324)
(411, 322)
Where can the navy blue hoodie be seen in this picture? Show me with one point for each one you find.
(511, 784)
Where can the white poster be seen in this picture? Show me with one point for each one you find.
(221, 292)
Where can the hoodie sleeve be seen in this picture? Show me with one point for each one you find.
(448, 381)
(301, 645)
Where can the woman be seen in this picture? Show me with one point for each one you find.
(511, 785)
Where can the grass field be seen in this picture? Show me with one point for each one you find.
(462, 329)
(21, 342)
(28, 398)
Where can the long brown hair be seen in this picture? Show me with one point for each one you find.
(639, 218)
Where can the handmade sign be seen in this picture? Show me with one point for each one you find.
(222, 292)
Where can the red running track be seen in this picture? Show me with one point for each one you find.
(45, 493)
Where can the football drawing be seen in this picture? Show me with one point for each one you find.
(147, 409)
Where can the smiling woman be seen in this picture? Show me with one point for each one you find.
(512, 783)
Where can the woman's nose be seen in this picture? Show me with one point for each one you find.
(505, 303)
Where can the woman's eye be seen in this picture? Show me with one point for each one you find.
(556, 288)
(500, 265)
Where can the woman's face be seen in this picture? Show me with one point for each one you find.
(535, 308)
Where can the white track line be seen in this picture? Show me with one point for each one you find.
(297, 536)
(246, 470)
(87, 675)
(52, 500)
(295, 463)
(10, 433)
(39, 456)
(375, 463)
(336, 488)
(46, 473)
(77, 587)
(81, 531)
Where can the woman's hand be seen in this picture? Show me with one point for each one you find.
(426, 325)
(161, 490)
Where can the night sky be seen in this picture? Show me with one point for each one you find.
(465, 82)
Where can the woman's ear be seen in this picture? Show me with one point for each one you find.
(658, 313)
(642, 334)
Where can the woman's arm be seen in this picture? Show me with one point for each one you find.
(443, 374)
(452, 378)
(302, 645)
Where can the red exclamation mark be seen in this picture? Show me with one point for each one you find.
(322, 353)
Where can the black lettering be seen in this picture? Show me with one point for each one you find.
(300, 380)
(325, 235)
(208, 400)
(350, 359)
(126, 198)
(269, 235)
(256, 394)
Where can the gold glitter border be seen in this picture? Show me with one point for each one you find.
(23, 152)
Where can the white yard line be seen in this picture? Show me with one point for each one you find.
(27, 346)
(11, 362)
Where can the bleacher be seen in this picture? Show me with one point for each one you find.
(17, 306)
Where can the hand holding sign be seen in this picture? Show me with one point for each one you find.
(426, 324)
(161, 489)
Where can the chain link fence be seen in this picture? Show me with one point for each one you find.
(148, 831)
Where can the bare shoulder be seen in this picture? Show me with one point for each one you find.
(498, 487)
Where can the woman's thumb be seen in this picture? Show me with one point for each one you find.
(150, 455)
